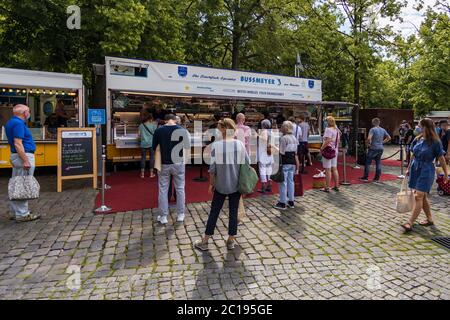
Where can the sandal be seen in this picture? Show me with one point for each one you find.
(426, 223)
(336, 189)
(407, 227)
(231, 244)
(327, 190)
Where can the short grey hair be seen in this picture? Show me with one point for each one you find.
(19, 109)
(376, 121)
(266, 124)
(287, 127)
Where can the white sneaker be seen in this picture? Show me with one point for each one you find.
(180, 218)
(162, 219)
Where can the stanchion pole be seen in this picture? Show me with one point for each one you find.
(401, 176)
(344, 155)
(201, 178)
(356, 156)
(107, 187)
(103, 208)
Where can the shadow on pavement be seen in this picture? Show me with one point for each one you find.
(222, 280)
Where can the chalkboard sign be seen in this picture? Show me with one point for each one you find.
(77, 154)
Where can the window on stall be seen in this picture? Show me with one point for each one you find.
(49, 110)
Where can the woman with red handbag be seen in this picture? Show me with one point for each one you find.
(329, 152)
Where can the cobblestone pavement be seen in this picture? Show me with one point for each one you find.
(331, 246)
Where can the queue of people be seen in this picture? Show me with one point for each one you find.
(230, 149)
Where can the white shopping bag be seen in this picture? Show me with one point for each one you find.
(405, 198)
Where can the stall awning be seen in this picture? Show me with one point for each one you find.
(39, 79)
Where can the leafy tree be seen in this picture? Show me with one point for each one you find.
(365, 33)
(430, 73)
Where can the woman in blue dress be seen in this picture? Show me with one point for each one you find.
(426, 148)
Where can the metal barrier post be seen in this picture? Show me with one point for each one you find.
(356, 156)
(103, 208)
(401, 176)
(107, 186)
(201, 178)
(344, 155)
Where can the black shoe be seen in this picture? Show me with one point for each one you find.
(376, 180)
(364, 179)
(290, 204)
(280, 206)
(269, 189)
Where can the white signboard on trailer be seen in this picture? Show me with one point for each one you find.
(131, 75)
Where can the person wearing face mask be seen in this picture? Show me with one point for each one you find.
(22, 148)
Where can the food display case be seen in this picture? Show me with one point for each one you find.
(126, 129)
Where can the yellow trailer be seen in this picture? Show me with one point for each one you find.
(55, 100)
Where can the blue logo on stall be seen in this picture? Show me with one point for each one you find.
(311, 84)
(96, 116)
(182, 71)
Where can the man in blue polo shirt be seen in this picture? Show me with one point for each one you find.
(376, 139)
(22, 148)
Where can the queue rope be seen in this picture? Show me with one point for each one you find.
(391, 155)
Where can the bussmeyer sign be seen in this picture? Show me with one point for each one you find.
(168, 78)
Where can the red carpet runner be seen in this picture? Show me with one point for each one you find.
(129, 192)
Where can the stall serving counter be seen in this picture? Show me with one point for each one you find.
(55, 100)
(194, 93)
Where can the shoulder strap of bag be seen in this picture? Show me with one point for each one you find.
(337, 138)
(146, 128)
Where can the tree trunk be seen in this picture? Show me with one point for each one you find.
(354, 140)
(235, 51)
(356, 82)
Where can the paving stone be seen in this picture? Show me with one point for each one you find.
(304, 253)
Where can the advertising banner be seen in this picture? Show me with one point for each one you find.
(178, 79)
